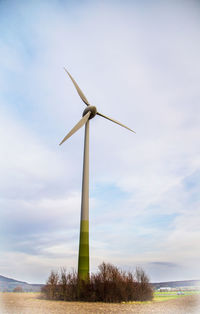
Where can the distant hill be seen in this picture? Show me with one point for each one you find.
(177, 284)
(9, 284)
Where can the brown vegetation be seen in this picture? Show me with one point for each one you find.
(18, 289)
(109, 284)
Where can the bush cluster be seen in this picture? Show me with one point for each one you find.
(109, 284)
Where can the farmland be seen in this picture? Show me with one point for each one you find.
(31, 303)
(169, 295)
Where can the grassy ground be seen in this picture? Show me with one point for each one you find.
(188, 292)
(30, 303)
(170, 295)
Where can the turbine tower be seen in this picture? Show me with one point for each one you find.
(88, 113)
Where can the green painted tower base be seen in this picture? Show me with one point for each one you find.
(83, 259)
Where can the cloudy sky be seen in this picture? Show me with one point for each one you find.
(138, 62)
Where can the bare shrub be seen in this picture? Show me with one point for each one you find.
(144, 289)
(18, 289)
(51, 289)
(109, 284)
(71, 285)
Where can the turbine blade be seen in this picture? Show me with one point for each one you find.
(76, 127)
(84, 99)
(100, 114)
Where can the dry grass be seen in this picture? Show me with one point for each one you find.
(30, 303)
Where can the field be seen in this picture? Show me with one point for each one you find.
(169, 295)
(30, 303)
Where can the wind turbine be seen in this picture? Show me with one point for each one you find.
(89, 113)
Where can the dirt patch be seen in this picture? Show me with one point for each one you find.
(29, 303)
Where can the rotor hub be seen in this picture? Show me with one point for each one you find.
(92, 110)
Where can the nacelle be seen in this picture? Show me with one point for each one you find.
(91, 109)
